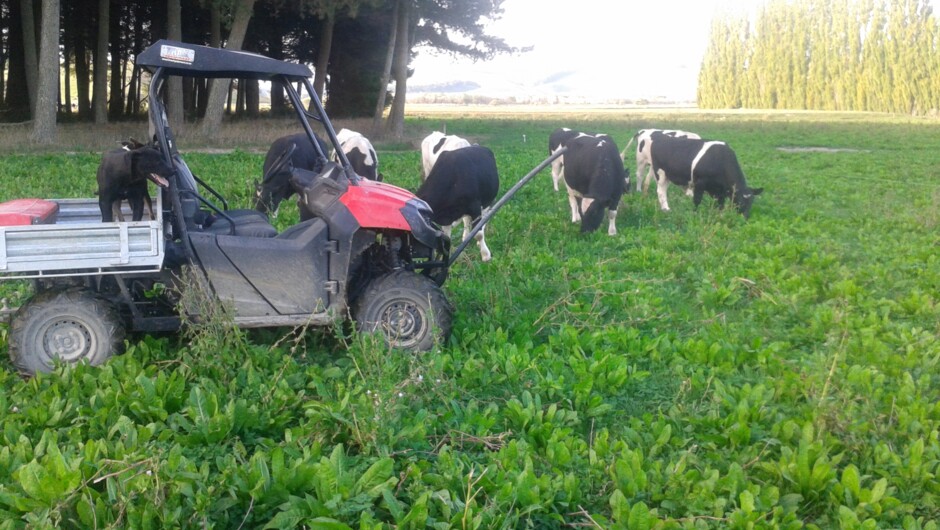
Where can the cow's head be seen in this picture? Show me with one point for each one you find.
(744, 199)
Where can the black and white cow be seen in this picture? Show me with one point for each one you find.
(556, 141)
(644, 164)
(436, 143)
(703, 165)
(276, 187)
(360, 153)
(595, 177)
(462, 183)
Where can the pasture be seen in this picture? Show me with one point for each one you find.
(695, 371)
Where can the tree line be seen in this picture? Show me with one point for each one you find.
(356, 48)
(852, 55)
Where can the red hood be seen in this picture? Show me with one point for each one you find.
(377, 205)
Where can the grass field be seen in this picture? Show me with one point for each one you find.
(695, 371)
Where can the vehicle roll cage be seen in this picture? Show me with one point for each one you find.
(166, 58)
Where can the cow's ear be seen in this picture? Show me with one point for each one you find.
(757, 191)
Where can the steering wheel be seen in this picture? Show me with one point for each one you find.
(279, 162)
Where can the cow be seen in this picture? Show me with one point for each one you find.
(123, 174)
(644, 166)
(595, 177)
(436, 143)
(461, 184)
(360, 153)
(704, 166)
(556, 141)
(276, 187)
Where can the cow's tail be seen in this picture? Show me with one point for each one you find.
(623, 153)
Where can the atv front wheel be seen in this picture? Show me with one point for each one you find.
(409, 309)
(71, 325)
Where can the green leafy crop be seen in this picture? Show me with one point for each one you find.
(697, 370)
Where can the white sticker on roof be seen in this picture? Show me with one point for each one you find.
(175, 54)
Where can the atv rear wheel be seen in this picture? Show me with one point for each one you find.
(409, 309)
(71, 325)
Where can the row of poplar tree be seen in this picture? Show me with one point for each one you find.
(853, 55)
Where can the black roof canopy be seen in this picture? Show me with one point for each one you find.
(180, 58)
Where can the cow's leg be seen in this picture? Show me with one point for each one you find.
(641, 168)
(650, 177)
(721, 200)
(612, 222)
(662, 186)
(467, 225)
(558, 171)
(573, 203)
(585, 205)
(446, 230)
(697, 195)
(484, 250)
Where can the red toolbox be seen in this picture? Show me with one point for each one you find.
(28, 212)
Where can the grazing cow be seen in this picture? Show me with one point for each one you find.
(595, 177)
(556, 141)
(705, 166)
(644, 165)
(276, 187)
(360, 153)
(462, 183)
(123, 174)
(436, 143)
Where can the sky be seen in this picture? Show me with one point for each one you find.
(609, 48)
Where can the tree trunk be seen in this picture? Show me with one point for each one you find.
(48, 76)
(118, 62)
(386, 73)
(99, 101)
(396, 116)
(252, 98)
(29, 51)
(3, 60)
(133, 91)
(67, 67)
(16, 99)
(215, 105)
(278, 102)
(174, 96)
(323, 57)
(215, 25)
(82, 79)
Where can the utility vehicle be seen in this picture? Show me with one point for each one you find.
(370, 252)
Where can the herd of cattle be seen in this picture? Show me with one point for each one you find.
(460, 179)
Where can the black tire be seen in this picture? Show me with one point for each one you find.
(71, 325)
(409, 309)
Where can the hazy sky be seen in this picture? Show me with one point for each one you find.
(618, 48)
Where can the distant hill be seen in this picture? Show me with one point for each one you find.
(558, 87)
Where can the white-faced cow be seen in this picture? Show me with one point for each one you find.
(276, 187)
(595, 177)
(462, 183)
(360, 153)
(705, 166)
(556, 141)
(436, 143)
(644, 164)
